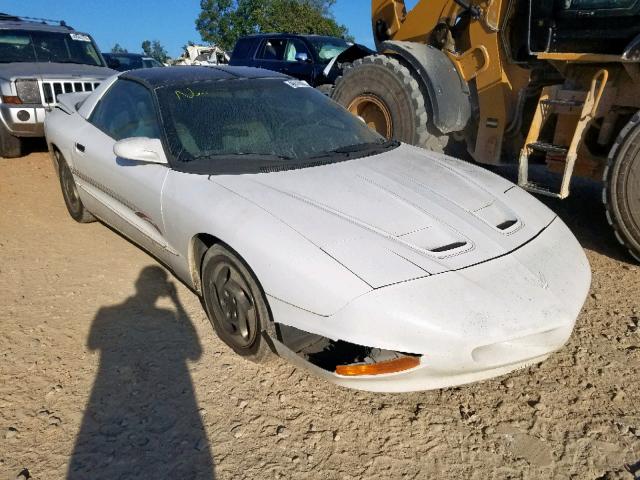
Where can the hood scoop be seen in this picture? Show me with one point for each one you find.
(437, 239)
(500, 217)
(446, 248)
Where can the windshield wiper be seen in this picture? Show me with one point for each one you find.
(261, 156)
(357, 148)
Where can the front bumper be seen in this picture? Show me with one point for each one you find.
(23, 120)
(472, 324)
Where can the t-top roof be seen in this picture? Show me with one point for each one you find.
(181, 74)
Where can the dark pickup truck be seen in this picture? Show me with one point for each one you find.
(313, 58)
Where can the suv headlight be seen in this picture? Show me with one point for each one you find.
(28, 90)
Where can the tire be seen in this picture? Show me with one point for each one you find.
(231, 294)
(10, 146)
(376, 83)
(621, 194)
(72, 201)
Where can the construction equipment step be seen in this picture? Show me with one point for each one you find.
(562, 103)
(540, 189)
(548, 148)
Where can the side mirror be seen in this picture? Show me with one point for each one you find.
(302, 57)
(141, 149)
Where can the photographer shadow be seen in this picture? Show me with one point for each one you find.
(142, 418)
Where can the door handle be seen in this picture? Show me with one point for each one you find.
(79, 147)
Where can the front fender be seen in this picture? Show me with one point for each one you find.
(288, 266)
(448, 92)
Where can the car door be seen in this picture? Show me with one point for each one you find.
(126, 194)
(294, 63)
(271, 53)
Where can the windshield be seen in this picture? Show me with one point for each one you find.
(28, 46)
(248, 126)
(327, 48)
(123, 63)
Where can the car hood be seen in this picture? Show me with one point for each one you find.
(45, 70)
(400, 215)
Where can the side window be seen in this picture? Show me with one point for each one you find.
(294, 47)
(242, 48)
(126, 110)
(150, 63)
(273, 49)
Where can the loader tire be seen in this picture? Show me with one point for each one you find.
(10, 146)
(621, 194)
(385, 93)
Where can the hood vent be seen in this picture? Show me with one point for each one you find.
(506, 225)
(499, 216)
(446, 248)
(435, 239)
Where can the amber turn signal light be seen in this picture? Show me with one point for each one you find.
(11, 100)
(388, 366)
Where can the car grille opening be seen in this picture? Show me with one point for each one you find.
(341, 356)
(51, 89)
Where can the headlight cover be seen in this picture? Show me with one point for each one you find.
(28, 90)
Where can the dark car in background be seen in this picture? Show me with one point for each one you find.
(130, 61)
(307, 57)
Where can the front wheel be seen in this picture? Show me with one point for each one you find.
(622, 187)
(72, 201)
(235, 304)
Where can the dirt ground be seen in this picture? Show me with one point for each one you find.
(99, 353)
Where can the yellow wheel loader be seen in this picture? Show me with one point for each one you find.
(555, 82)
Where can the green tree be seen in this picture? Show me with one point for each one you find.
(154, 49)
(223, 21)
(118, 49)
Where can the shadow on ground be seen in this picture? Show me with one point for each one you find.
(583, 212)
(142, 418)
(33, 145)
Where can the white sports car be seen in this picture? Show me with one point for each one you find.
(377, 265)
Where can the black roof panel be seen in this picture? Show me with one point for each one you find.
(126, 54)
(181, 74)
(278, 35)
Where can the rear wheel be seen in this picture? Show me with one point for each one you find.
(622, 187)
(72, 201)
(235, 304)
(384, 93)
(10, 146)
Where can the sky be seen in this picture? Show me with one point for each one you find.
(172, 22)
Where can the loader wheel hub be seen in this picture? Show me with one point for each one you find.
(375, 113)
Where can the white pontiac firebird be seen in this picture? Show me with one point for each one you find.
(375, 264)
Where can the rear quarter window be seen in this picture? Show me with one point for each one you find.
(242, 48)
